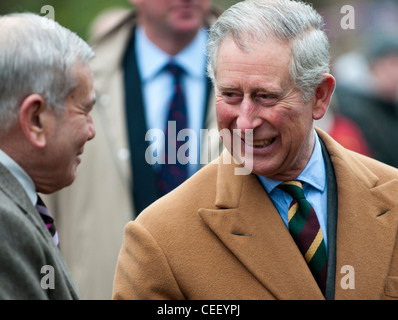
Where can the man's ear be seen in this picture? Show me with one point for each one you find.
(32, 118)
(323, 95)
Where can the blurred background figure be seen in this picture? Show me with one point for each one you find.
(343, 129)
(366, 97)
(368, 94)
(134, 90)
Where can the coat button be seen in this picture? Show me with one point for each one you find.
(123, 154)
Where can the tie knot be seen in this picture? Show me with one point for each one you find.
(175, 70)
(293, 188)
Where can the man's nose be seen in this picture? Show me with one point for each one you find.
(248, 117)
(91, 129)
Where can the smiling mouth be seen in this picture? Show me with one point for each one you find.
(261, 143)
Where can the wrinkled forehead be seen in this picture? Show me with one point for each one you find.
(261, 59)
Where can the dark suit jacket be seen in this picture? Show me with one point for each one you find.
(219, 236)
(26, 247)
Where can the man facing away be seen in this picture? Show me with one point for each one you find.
(46, 95)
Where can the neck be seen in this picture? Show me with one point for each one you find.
(171, 43)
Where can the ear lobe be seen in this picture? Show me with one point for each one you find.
(32, 121)
(323, 95)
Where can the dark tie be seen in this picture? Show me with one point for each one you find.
(47, 218)
(305, 230)
(173, 173)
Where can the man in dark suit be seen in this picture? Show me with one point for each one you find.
(306, 219)
(46, 95)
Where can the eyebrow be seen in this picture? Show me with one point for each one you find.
(253, 90)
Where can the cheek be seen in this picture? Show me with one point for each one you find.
(225, 115)
(205, 6)
(80, 128)
(294, 118)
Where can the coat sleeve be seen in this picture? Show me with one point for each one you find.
(143, 272)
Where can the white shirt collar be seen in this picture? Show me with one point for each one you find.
(152, 59)
(20, 174)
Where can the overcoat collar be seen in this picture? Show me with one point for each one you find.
(110, 108)
(248, 224)
(366, 224)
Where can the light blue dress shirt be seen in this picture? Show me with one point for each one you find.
(157, 83)
(315, 189)
(20, 174)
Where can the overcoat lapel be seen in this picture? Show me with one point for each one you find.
(366, 226)
(109, 109)
(248, 224)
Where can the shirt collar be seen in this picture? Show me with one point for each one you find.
(20, 174)
(152, 59)
(314, 172)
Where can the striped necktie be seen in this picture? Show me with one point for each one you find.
(306, 232)
(173, 172)
(47, 218)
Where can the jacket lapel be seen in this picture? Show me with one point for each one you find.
(248, 224)
(366, 226)
(12, 188)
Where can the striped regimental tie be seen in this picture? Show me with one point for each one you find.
(47, 219)
(305, 230)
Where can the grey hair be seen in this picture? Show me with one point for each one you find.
(252, 21)
(36, 56)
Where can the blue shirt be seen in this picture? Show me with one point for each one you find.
(157, 83)
(315, 189)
